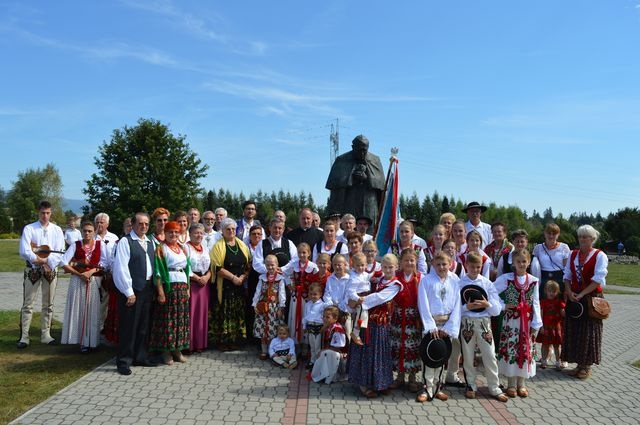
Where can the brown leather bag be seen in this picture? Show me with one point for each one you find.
(598, 307)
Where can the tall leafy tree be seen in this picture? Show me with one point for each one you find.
(31, 187)
(141, 168)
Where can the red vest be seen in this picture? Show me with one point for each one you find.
(588, 270)
(79, 256)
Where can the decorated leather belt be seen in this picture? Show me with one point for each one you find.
(555, 274)
(176, 269)
(441, 319)
(198, 273)
(314, 328)
(282, 353)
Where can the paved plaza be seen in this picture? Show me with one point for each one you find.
(238, 388)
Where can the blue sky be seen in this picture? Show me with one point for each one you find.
(531, 104)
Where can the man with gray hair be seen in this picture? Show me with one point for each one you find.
(306, 232)
(220, 214)
(348, 225)
(210, 235)
(109, 241)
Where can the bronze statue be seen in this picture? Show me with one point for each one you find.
(356, 182)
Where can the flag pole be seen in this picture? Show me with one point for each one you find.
(393, 158)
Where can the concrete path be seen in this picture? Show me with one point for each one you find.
(237, 388)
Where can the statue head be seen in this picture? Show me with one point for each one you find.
(360, 147)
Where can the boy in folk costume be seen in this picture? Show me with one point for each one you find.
(334, 343)
(323, 262)
(269, 301)
(480, 301)
(312, 321)
(439, 305)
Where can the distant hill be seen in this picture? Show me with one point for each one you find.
(74, 205)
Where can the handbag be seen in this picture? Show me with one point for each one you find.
(598, 307)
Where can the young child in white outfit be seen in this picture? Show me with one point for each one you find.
(282, 349)
(312, 321)
(358, 286)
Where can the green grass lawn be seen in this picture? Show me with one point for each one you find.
(34, 374)
(624, 275)
(10, 261)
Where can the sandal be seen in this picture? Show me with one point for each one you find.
(422, 396)
(511, 392)
(523, 392)
(502, 397)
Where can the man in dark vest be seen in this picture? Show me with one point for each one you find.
(133, 269)
(284, 250)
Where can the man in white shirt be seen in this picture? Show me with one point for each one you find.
(362, 226)
(474, 212)
(133, 269)
(41, 246)
(210, 235)
(277, 245)
(109, 241)
(220, 214)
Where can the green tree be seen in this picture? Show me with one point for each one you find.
(5, 220)
(31, 187)
(141, 168)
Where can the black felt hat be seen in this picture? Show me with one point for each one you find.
(362, 217)
(574, 310)
(474, 204)
(435, 352)
(471, 293)
(332, 216)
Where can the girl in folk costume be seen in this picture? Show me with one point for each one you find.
(520, 324)
(301, 276)
(474, 242)
(86, 260)
(171, 316)
(552, 307)
(406, 323)
(370, 365)
(323, 262)
(434, 245)
(330, 244)
(334, 343)
(268, 303)
(498, 247)
(312, 322)
(449, 246)
(439, 306)
(459, 234)
(374, 268)
(199, 286)
(406, 242)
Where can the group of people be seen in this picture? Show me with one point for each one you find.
(325, 296)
